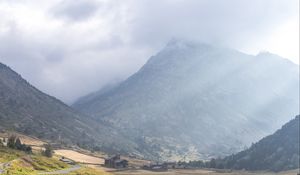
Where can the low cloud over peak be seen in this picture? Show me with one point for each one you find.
(70, 48)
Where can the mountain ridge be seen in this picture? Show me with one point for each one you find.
(276, 152)
(188, 84)
(28, 110)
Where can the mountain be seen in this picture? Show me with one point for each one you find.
(25, 109)
(277, 152)
(193, 100)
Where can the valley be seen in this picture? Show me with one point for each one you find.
(20, 165)
(129, 128)
(149, 87)
(91, 163)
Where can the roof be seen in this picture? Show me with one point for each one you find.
(121, 161)
(114, 157)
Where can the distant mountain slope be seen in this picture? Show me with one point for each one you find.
(196, 101)
(26, 109)
(277, 152)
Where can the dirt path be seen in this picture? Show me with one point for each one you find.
(3, 166)
(1, 170)
(65, 171)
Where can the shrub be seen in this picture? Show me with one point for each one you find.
(48, 152)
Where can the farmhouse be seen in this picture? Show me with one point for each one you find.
(115, 162)
(171, 165)
(156, 167)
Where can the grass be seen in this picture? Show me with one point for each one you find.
(31, 164)
(41, 163)
(7, 154)
(18, 167)
(25, 167)
(89, 171)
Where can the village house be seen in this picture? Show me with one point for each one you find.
(156, 167)
(115, 162)
(171, 165)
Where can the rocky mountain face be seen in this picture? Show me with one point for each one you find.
(277, 152)
(25, 109)
(195, 101)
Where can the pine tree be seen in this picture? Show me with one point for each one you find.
(18, 144)
(11, 143)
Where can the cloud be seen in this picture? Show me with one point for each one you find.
(213, 21)
(69, 48)
(75, 10)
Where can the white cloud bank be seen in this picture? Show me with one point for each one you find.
(69, 48)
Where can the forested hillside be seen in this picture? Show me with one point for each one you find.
(277, 152)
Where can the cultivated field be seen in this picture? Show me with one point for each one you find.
(79, 157)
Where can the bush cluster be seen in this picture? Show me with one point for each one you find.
(14, 142)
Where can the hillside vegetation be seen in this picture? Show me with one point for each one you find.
(277, 152)
(22, 163)
(19, 163)
(25, 109)
(7, 154)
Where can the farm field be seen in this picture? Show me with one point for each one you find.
(79, 157)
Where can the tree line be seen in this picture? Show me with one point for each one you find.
(14, 142)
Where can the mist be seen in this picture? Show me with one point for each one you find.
(71, 48)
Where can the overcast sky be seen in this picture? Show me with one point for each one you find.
(68, 48)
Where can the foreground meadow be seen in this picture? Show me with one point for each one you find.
(200, 172)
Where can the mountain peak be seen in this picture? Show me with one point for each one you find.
(266, 54)
(176, 43)
(271, 57)
(3, 65)
(194, 87)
